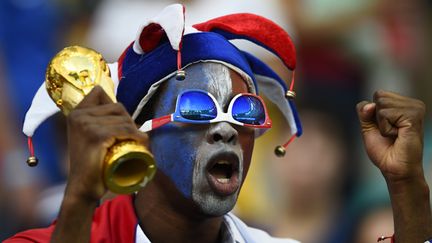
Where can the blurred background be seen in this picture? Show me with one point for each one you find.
(324, 190)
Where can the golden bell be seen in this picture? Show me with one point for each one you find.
(180, 75)
(290, 94)
(280, 151)
(32, 161)
(70, 76)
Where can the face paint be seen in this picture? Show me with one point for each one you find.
(205, 162)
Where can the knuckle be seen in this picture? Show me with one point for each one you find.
(126, 121)
(74, 117)
(383, 101)
(421, 106)
(100, 135)
(129, 129)
(143, 138)
(97, 90)
(119, 108)
(379, 93)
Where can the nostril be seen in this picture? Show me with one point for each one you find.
(232, 139)
(217, 137)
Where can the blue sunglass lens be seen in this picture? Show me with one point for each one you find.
(196, 105)
(248, 110)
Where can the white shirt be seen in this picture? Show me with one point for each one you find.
(238, 230)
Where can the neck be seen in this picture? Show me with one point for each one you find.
(166, 216)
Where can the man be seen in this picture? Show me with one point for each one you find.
(202, 163)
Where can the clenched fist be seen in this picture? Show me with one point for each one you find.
(392, 129)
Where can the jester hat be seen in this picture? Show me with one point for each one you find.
(164, 47)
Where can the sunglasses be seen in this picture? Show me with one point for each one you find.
(200, 107)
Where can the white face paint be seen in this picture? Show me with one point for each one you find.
(215, 186)
(205, 162)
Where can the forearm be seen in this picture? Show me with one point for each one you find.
(75, 219)
(411, 210)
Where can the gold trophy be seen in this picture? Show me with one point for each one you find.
(70, 76)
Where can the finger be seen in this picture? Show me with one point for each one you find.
(108, 120)
(405, 112)
(386, 94)
(96, 97)
(385, 99)
(389, 102)
(366, 112)
(387, 120)
(111, 133)
(102, 110)
(105, 114)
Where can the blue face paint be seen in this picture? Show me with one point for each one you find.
(175, 153)
(175, 146)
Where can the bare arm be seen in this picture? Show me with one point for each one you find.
(74, 222)
(93, 127)
(392, 128)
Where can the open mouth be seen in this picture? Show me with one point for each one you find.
(223, 173)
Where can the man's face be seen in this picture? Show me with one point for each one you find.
(207, 163)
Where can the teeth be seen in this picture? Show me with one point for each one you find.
(223, 162)
(223, 180)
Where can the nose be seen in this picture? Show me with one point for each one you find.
(222, 132)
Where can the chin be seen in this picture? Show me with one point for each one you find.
(214, 205)
(216, 182)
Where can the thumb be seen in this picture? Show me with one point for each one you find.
(366, 114)
(375, 144)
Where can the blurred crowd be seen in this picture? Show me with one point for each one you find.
(324, 190)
